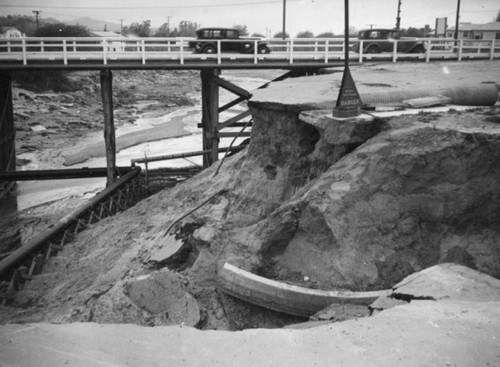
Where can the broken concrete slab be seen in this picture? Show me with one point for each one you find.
(341, 312)
(163, 294)
(450, 282)
(443, 282)
(165, 247)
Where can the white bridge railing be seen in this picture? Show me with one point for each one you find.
(26, 51)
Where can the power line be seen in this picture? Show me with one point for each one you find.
(148, 7)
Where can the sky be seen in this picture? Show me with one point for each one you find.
(262, 16)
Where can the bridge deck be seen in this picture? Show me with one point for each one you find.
(174, 53)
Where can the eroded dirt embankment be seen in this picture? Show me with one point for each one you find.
(313, 201)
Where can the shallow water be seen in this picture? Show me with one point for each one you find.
(33, 200)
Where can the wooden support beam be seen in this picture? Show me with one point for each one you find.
(234, 119)
(234, 134)
(109, 124)
(210, 114)
(234, 102)
(233, 88)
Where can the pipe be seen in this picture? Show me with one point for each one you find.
(36, 243)
(58, 174)
(464, 95)
(283, 297)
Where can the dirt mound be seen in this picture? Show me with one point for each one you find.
(313, 201)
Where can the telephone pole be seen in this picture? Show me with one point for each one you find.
(121, 26)
(398, 18)
(457, 20)
(284, 19)
(36, 17)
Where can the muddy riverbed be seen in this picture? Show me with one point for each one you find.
(155, 113)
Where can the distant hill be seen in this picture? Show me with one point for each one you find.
(95, 24)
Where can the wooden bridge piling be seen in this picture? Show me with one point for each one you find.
(109, 124)
(7, 130)
(210, 114)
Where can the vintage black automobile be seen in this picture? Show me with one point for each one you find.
(230, 40)
(379, 40)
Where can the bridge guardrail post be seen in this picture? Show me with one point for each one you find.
(181, 48)
(492, 49)
(291, 51)
(326, 51)
(143, 52)
(360, 52)
(42, 46)
(460, 46)
(25, 58)
(255, 52)
(219, 52)
(8, 46)
(104, 52)
(428, 50)
(394, 50)
(65, 55)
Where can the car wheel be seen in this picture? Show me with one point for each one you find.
(210, 49)
(264, 50)
(419, 49)
(373, 49)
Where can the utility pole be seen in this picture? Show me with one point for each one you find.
(457, 20)
(348, 102)
(36, 17)
(121, 26)
(284, 20)
(168, 25)
(398, 18)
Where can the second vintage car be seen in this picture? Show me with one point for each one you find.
(382, 40)
(230, 41)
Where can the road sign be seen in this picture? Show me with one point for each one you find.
(348, 101)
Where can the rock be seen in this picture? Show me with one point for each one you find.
(22, 114)
(165, 247)
(38, 128)
(338, 312)
(163, 294)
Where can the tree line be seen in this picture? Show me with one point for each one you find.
(185, 28)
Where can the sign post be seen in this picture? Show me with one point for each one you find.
(348, 102)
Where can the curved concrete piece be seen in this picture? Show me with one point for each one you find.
(282, 297)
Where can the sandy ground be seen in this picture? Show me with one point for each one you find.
(459, 327)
